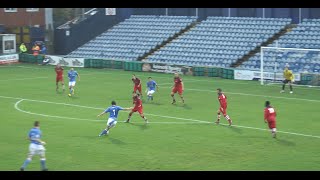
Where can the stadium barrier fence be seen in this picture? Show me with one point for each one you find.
(310, 79)
(138, 66)
(30, 58)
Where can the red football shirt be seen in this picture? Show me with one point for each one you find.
(270, 114)
(59, 71)
(177, 82)
(138, 103)
(136, 81)
(222, 99)
(134, 100)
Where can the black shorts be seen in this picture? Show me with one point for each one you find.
(286, 81)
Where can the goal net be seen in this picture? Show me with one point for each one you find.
(304, 63)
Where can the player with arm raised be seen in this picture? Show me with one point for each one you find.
(72, 75)
(36, 147)
(151, 88)
(137, 84)
(288, 78)
(223, 107)
(113, 111)
(178, 86)
(59, 78)
(270, 118)
(138, 107)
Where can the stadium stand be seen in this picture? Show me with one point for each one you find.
(133, 37)
(219, 41)
(304, 36)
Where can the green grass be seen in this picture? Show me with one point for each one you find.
(73, 143)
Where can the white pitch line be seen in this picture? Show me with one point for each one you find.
(198, 121)
(6, 66)
(170, 117)
(122, 74)
(16, 106)
(186, 80)
(165, 84)
(285, 132)
(22, 79)
(297, 86)
(244, 94)
(60, 117)
(88, 107)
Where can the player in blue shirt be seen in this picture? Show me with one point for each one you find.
(36, 147)
(72, 75)
(151, 88)
(113, 115)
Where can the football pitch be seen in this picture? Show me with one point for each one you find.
(178, 137)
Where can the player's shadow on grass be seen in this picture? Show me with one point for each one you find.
(143, 126)
(185, 106)
(153, 103)
(233, 128)
(116, 141)
(285, 142)
(74, 97)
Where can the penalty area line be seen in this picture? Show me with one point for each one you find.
(16, 106)
(195, 121)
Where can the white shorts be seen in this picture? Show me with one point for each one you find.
(151, 92)
(73, 83)
(111, 122)
(36, 149)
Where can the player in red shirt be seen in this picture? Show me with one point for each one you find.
(137, 107)
(270, 118)
(59, 78)
(223, 107)
(137, 84)
(178, 86)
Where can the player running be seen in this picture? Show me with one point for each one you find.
(72, 75)
(270, 118)
(137, 84)
(138, 107)
(223, 107)
(59, 78)
(178, 86)
(36, 147)
(288, 78)
(113, 111)
(151, 88)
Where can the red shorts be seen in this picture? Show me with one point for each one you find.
(272, 124)
(140, 110)
(177, 89)
(59, 79)
(137, 88)
(223, 110)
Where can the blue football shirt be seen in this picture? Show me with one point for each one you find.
(34, 134)
(151, 85)
(113, 111)
(72, 75)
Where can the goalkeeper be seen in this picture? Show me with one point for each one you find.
(288, 78)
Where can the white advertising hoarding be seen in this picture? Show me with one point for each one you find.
(243, 75)
(9, 58)
(70, 62)
(74, 62)
(251, 75)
